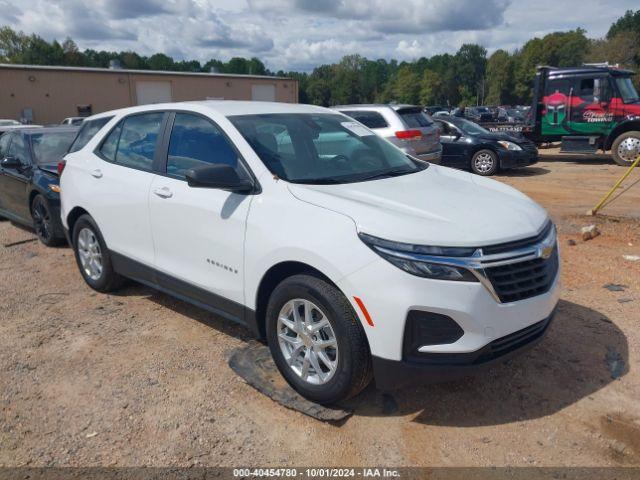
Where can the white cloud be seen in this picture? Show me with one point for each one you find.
(300, 34)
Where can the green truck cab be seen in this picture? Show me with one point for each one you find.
(587, 108)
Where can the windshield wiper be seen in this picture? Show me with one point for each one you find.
(387, 174)
(318, 181)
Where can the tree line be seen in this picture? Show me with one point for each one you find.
(467, 77)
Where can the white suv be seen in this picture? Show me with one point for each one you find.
(351, 258)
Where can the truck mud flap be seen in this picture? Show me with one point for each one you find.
(579, 144)
(254, 364)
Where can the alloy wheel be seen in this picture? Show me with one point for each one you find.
(629, 149)
(307, 341)
(42, 221)
(483, 162)
(90, 254)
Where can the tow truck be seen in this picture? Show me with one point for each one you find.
(588, 108)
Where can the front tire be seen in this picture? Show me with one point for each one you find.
(46, 225)
(317, 340)
(484, 162)
(92, 256)
(626, 148)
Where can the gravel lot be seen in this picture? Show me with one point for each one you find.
(139, 378)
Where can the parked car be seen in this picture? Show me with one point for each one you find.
(406, 126)
(29, 184)
(9, 123)
(351, 258)
(77, 121)
(433, 109)
(466, 144)
(509, 115)
(6, 125)
(478, 114)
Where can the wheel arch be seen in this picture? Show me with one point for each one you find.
(72, 218)
(272, 278)
(623, 127)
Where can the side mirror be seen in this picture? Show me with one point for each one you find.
(223, 177)
(10, 162)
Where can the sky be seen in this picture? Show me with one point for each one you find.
(301, 34)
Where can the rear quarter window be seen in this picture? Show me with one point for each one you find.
(87, 131)
(415, 118)
(368, 119)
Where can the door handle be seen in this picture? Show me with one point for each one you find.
(163, 192)
(96, 173)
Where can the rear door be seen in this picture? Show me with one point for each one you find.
(199, 232)
(119, 179)
(415, 119)
(453, 146)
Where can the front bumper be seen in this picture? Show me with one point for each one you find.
(393, 374)
(516, 159)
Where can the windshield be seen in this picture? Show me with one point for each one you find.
(7, 123)
(470, 128)
(322, 148)
(50, 147)
(627, 90)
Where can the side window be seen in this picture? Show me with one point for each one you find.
(110, 144)
(137, 145)
(197, 142)
(20, 150)
(369, 119)
(558, 85)
(87, 131)
(444, 128)
(5, 141)
(586, 89)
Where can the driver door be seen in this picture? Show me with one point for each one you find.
(198, 233)
(452, 148)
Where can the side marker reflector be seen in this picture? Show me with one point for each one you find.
(365, 312)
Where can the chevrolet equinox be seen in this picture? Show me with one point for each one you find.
(351, 258)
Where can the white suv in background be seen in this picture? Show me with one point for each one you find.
(348, 256)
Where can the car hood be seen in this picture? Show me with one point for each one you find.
(50, 167)
(438, 206)
(495, 136)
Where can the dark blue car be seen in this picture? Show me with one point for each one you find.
(29, 181)
(467, 145)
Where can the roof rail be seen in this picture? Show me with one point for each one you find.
(601, 65)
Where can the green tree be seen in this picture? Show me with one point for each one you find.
(629, 22)
(160, 61)
(431, 92)
(499, 78)
(406, 87)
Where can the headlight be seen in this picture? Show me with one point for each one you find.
(510, 145)
(421, 260)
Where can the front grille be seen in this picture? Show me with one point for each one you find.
(516, 244)
(528, 146)
(518, 281)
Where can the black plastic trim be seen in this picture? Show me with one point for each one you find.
(443, 367)
(182, 290)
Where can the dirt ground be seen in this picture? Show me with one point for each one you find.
(139, 378)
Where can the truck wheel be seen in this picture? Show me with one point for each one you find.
(626, 148)
(317, 340)
(484, 162)
(92, 256)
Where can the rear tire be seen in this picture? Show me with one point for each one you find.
(45, 223)
(626, 148)
(484, 162)
(333, 373)
(93, 258)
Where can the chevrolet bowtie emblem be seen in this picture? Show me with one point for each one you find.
(546, 251)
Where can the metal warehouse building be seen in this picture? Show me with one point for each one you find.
(43, 94)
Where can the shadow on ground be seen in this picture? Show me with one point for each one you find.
(524, 172)
(589, 159)
(582, 352)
